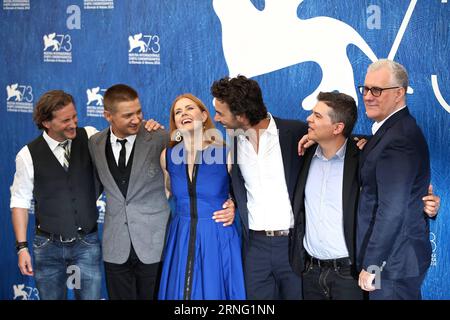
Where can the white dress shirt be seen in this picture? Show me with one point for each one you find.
(23, 185)
(324, 232)
(116, 146)
(377, 125)
(268, 203)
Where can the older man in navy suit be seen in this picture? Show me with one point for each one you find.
(392, 231)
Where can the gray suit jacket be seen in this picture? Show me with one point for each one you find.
(140, 218)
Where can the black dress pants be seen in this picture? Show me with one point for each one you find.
(132, 280)
(268, 274)
(330, 281)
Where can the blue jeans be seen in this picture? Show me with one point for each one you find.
(59, 265)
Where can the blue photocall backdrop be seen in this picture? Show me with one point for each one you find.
(293, 48)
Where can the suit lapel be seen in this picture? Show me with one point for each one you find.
(239, 187)
(234, 154)
(141, 150)
(285, 139)
(102, 164)
(350, 172)
(299, 198)
(350, 169)
(350, 192)
(381, 131)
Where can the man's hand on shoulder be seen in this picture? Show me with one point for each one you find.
(152, 125)
(360, 142)
(90, 131)
(304, 144)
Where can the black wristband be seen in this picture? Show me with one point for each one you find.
(21, 245)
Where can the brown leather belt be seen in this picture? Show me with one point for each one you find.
(272, 233)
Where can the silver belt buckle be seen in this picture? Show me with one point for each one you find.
(66, 241)
(270, 233)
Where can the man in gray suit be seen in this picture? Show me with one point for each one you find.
(126, 157)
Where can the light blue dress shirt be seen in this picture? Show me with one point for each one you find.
(324, 234)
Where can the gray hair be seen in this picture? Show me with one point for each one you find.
(397, 71)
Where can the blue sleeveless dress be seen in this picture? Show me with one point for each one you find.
(202, 258)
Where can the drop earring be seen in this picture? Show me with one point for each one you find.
(178, 136)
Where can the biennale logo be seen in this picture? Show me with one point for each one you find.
(246, 48)
(144, 49)
(13, 92)
(51, 42)
(94, 105)
(22, 292)
(136, 42)
(57, 48)
(433, 249)
(19, 98)
(94, 96)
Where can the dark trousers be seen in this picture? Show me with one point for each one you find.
(400, 289)
(330, 282)
(132, 280)
(268, 274)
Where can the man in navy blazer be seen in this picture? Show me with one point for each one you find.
(264, 174)
(392, 231)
